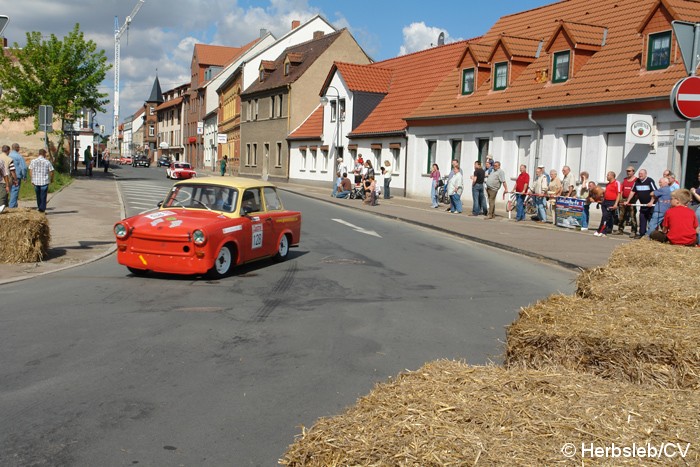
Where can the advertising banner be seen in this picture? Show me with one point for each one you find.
(569, 212)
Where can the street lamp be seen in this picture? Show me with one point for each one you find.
(324, 101)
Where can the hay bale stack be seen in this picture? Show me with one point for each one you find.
(24, 236)
(645, 270)
(646, 342)
(449, 413)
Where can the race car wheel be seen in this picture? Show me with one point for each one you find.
(223, 263)
(137, 272)
(282, 249)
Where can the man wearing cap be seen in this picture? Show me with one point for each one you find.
(493, 184)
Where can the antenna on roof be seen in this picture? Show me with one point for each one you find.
(441, 39)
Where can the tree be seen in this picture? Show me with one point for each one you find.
(65, 74)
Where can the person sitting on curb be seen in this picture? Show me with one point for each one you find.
(680, 225)
(344, 188)
(370, 191)
(661, 199)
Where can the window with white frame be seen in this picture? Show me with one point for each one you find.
(302, 152)
(324, 161)
(396, 160)
(334, 110)
(247, 155)
(278, 155)
(254, 156)
(151, 130)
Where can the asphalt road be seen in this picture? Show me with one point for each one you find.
(104, 368)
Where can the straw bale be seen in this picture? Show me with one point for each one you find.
(24, 236)
(448, 414)
(651, 255)
(647, 342)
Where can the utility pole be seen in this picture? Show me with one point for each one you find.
(118, 32)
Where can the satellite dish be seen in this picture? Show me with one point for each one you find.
(441, 39)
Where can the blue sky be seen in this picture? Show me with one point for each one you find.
(163, 33)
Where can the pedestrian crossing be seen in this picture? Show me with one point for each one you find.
(140, 196)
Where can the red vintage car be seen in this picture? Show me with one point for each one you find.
(207, 226)
(180, 171)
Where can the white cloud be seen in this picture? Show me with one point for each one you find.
(418, 36)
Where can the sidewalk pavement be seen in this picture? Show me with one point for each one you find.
(81, 217)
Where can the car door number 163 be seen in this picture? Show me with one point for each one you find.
(257, 236)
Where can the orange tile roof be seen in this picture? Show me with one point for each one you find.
(587, 34)
(613, 74)
(519, 46)
(216, 55)
(413, 77)
(267, 64)
(170, 103)
(363, 78)
(312, 128)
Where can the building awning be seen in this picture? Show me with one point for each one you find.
(192, 139)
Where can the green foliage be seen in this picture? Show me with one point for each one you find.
(65, 74)
(26, 191)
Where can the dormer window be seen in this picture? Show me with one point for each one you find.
(286, 69)
(468, 81)
(262, 75)
(561, 66)
(659, 56)
(500, 72)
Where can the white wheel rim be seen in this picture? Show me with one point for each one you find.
(284, 246)
(223, 261)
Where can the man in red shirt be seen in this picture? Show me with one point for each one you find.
(628, 211)
(680, 224)
(521, 185)
(611, 199)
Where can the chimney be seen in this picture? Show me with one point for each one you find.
(295, 24)
(318, 34)
(263, 32)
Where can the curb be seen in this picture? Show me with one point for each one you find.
(471, 238)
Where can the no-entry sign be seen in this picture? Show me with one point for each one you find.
(686, 98)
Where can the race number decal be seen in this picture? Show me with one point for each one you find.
(257, 236)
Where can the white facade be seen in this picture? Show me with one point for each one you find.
(309, 165)
(211, 130)
(595, 144)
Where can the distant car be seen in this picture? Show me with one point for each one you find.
(180, 171)
(141, 160)
(125, 160)
(163, 161)
(207, 226)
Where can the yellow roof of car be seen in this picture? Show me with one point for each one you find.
(234, 182)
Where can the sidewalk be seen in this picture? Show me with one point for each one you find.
(565, 247)
(81, 217)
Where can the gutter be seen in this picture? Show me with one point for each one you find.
(545, 109)
(539, 136)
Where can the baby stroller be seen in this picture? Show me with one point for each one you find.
(357, 192)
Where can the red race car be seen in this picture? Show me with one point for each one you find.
(207, 226)
(180, 171)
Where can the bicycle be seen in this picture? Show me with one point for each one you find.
(530, 208)
(442, 195)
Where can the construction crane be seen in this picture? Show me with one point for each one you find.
(118, 32)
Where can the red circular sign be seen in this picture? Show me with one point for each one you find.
(687, 101)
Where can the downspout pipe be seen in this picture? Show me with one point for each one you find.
(539, 136)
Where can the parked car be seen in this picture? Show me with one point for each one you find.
(141, 160)
(180, 171)
(124, 160)
(207, 226)
(163, 161)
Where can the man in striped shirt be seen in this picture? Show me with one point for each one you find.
(41, 172)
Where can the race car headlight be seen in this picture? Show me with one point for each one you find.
(199, 238)
(120, 231)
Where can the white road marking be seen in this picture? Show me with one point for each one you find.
(357, 229)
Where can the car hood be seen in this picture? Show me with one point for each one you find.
(175, 222)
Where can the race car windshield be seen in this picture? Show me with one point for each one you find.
(208, 197)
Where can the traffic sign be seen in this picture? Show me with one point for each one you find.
(688, 42)
(686, 98)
